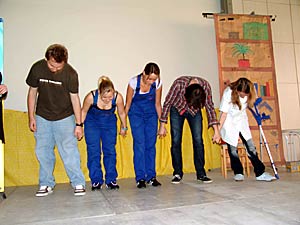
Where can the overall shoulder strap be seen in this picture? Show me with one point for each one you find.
(95, 97)
(115, 98)
(138, 84)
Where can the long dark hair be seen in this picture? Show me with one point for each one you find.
(152, 68)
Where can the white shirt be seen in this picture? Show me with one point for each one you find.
(236, 120)
(133, 84)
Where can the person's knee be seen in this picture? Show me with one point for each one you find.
(234, 153)
(251, 148)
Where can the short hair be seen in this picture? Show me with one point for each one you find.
(58, 52)
(105, 85)
(195, 96)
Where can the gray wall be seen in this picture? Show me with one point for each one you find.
(110, 37)
(286, 46)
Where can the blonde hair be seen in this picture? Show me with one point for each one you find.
(105, 85)
(242, 85)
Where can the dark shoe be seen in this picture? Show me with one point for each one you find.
(141, 184)
(79, 190)
(153, 182)
(44, 191)
(96, 186)
(205, 180)
(112, 185)
(176, 179)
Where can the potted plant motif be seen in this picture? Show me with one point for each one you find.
(241, 49)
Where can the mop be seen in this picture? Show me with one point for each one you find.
(259, 118)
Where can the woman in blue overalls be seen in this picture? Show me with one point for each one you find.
(143, 106)
(100, 129)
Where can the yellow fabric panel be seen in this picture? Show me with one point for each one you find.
(1, 167)
(21, 165)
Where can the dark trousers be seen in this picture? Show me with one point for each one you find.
(236, 164)
(195, 123)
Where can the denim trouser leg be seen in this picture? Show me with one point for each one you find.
(235, 162)
(195, 123)
(236, 165)
(259, 167)
(60, 132)
(68, 149)
(44, 150)
(176, 122)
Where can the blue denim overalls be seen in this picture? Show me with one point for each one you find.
(101, 126)
(143, 122)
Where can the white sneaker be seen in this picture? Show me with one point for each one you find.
(265, 177)
(79, 190)
(44, 191)
(239, 177)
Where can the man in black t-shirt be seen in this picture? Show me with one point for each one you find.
(54, 114)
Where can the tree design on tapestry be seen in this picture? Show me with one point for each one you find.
(241, 49)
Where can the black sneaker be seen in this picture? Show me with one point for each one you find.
(141, 184)
(153, 182)
(112, 185)
(96, 186)
(205, 180)
(176, 179)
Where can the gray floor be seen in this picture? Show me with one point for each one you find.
(221, 202)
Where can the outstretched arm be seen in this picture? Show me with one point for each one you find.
(222, 119)
(217, 137)
(78, 132)
(158, 101)
(129, 96)
(31, 103)
(122, 114)
(87, 102)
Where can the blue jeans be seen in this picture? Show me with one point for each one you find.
(195, 123)
(61, 133)
(235, 162)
